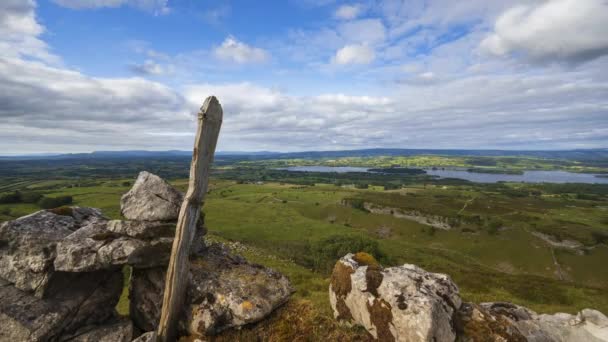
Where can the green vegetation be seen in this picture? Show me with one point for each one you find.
(301, 222)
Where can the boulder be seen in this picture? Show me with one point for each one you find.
(77, 300)
(509, 322)
(112, 331)
(27, 245)
(150, 336)
(100, 245)
(404, 303)
(225, 291)
(151, 199)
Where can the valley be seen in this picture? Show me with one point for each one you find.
(539, 245)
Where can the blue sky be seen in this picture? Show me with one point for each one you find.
(84, 75)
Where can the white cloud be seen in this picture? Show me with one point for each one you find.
(238, 52)
(446, 96)
(19, 32)
(149, 67)
(348, 12)
(554, 30)
(368, 31)
(354, 54)
(156, 6)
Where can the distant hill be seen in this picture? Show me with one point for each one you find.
(579, 154)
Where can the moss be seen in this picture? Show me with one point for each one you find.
(373, 279)
(366, 259)
(340, 279)
(381, 317)
(63, 211)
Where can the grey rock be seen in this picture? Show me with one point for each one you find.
(95, 247)
(151, 199)
(141, 229)
(77, 300)
(113, 331)
(403, 303)
(225, 291)
(27, 245)
(516, 323)
(150, 336)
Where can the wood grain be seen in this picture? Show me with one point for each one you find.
(176, 283)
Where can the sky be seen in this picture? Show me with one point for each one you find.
(297, 75)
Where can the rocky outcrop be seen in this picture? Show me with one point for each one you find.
(510, 322)
(107, 244)
(151, 199)
(225, 291)
(28, 245)
(117, 330)
(402, 303)
(80, 299)
(435, 221)
(406, 303)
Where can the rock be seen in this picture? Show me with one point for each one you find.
(225, 291)
(120, 331)
(509, 322)
(150, 336)
(141, 229)
(403, 303)
(27, 245)
(151, 199)
(100, 245)
(76, 301)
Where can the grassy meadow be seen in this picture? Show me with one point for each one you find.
(300, 226)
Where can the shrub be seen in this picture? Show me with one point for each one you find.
(600, 237)
(357, 203)
(494, 226)
(30, 197)
(54, 202)
(14, 197)
(325, 253)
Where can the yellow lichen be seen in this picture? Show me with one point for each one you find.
(366, 259)
(247, 305)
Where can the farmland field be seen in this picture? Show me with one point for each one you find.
(540, 245)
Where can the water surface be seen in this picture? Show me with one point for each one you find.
(526, 177)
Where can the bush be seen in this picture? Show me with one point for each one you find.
(30, 197)
(325, 253)
(357, 203)
(494, 226)
(54, 202)
(600, 237)
(14, 197)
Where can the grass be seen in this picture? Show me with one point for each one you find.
(282, 225)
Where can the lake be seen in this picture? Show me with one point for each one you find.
(526, 177)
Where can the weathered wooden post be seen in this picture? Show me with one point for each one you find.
(176, 282)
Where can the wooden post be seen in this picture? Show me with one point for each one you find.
(176, 282)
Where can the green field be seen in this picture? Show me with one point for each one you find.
(300, 224)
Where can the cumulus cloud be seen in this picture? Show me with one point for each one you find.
(363, 31)
(348, 12)
(156, 6)
(20, 31)
(447, 97)
(238, 52)
(354, 54)
(570, 31)
(67, 108)
(150, 68)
